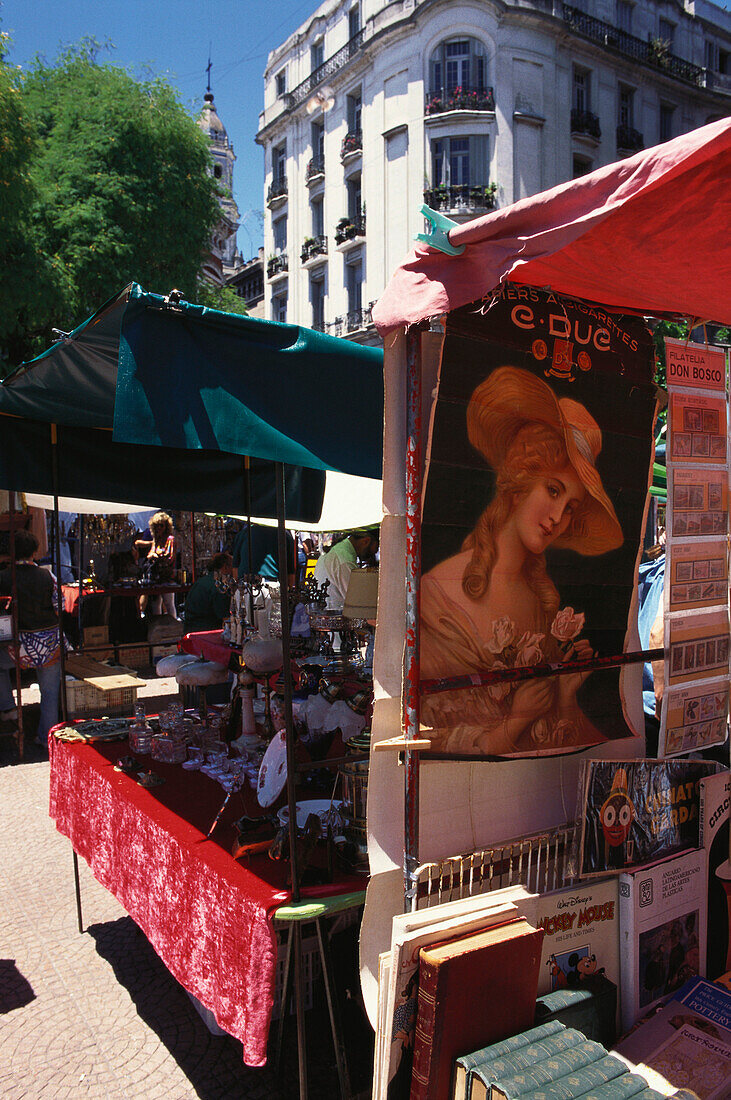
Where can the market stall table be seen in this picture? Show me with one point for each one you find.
(71, 592)
(208, 916)
(210, 645)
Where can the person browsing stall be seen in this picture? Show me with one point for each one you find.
(339, 562)
(206, 605)
(161, 552)
(38, 634)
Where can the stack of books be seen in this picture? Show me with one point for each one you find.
(549, 1062)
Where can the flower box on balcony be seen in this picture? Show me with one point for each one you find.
(348, 229)
(315, 170)
(460, 98)
(352, 143)
(277, 265)
(313, 247)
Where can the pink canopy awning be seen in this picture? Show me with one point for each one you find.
(651, 233)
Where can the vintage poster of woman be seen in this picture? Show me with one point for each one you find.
(538, 463)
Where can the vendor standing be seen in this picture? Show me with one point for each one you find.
(206, 605)
(339, 562)
(38, 634)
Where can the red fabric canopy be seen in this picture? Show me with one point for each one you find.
(648, 234)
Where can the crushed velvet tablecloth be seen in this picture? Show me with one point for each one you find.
(208, 916)
(210, 644)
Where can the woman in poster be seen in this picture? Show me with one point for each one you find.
(493, 605)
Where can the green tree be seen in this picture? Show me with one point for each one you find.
(219, 297)
(120, 190)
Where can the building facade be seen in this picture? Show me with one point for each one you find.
(373, 107)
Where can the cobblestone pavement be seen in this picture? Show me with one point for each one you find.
(97, 1015)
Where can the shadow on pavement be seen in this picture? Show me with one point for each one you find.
(15, 990)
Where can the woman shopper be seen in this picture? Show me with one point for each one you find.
(161, 552)
(38, 634)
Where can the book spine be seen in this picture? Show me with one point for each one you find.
(627, 1087)
(577, 1084)
(507, 1047)
(627, 951)
(522, 1059)
(495, 1052)
(542, 1073)
(424, 1031)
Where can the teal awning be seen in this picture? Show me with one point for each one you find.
(197, 378)
(189, 392)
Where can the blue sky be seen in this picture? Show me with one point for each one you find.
(172, 39)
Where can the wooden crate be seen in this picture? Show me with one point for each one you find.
(167, 650)
(100, 652)
(96, 635)
(100, 690)
(134, 656)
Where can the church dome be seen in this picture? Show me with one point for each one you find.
(210, 121)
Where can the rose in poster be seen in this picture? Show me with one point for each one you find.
(494, 604)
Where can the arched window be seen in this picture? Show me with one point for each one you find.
(458, 63)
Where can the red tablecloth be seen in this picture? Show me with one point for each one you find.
(210, 644)
(208, 916)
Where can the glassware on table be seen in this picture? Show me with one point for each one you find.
(195, 758)
(140, 738)
(140, 713)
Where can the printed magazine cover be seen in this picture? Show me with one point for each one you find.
(633, 811)
(581, 942)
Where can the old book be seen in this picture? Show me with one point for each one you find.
(492, 1068)
(714, 839)
(593, 1011)
(496, 1051)
(662, 930)
(702, 1005)
(629, 1086)
(691, 1059)
(384, 971)
(474, 991)
(411, 932)
(543, 1073)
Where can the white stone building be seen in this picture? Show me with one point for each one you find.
(373, 107)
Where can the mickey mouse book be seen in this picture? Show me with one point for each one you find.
(631, 812)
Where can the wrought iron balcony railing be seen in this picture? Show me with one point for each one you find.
(325, 71)
(461, 196)
(627, 138)
(585, 122)
(460, 98)
(277, 265)
(315, 168)
(313, 246)
(352, 143)
(354, 320)
(654, 53)
(277, 188)
(348, 228)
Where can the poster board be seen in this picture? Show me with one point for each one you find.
(694, 713)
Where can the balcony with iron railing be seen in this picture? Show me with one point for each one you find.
(654, 52)
(277, 265)
(352, 143)
(349, 229)
(326, 71)
(461, 198)
(353, 321)
(585, 123)
(629, 140)
(312, 247)
(461, 98)
(315, 170)
(277, 190)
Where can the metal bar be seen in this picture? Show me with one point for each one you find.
(77, 885)
(299, 996)
(341, 1058)
(247, 509)
(81, 576)
(193, 558)
(20, 736)
(510, 675)
(287, 677)
(57, 552)
(413, 579)
(285, 991)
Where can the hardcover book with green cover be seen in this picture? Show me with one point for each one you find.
(555, 1068)
(593, 1011)
(474, 991)
(466, 1062)
(492, 1069)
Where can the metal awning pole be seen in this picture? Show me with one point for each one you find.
(57, 554)
(14, 623)
(413, 579)
(81, 576)
(291, 772)
(247, 509)
(193, 558)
